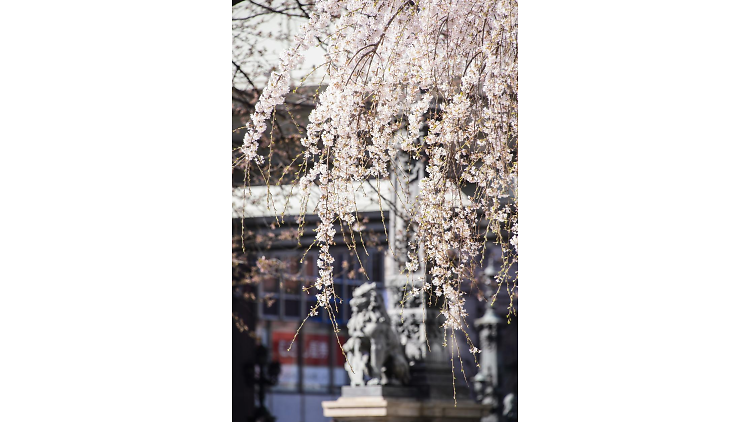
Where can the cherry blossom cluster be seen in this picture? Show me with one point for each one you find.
(436, 80)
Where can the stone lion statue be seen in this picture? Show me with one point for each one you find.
(373, 349)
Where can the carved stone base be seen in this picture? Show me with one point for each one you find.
(378, 391)
(392, 409)
(434, 380)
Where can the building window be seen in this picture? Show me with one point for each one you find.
(285, 352)
(316, 372)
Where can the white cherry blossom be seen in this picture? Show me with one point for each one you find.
(434, 79)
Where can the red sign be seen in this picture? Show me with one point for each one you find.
(316, 350)
(280, 342)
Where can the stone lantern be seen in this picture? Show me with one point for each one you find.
(486, 382)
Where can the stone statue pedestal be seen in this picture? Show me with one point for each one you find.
(376, 348)
(378, 391)
(364, 404)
